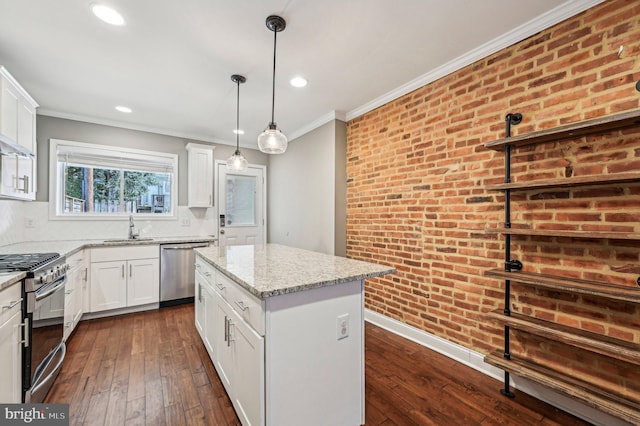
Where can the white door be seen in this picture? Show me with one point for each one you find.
(241, 205)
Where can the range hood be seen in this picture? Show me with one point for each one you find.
(8, 147)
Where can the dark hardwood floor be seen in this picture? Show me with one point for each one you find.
(151, 368)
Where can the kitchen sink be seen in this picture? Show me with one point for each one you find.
(127, 240)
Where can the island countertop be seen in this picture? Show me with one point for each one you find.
(267, 270)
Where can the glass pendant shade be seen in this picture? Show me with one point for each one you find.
(237, 162)
(272, 140)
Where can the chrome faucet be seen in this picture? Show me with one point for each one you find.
(132, 234)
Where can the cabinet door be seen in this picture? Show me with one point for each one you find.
(108, 286)
(26, 176)
(143, 282)
(9, 109)
(210, 328)
(223, 356)
(9, 175)
(26, 135)
(200, 177)
(11, 359)
(247, 349)
(200, 304)
(70, 302)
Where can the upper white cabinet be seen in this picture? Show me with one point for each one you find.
(200, 175)
(17, 129)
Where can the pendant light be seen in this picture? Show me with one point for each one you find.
(272, 140)
(237, 162)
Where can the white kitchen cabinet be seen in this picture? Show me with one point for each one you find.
(200, 175)
(17, 125)
(108, 285)
(266, 351)
(124, 277)
(143, 285)
(77, 276)
(11, 345)
(200, 304)
(245, 353)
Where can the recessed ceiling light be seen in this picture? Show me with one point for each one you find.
(107, 14)
(124, 109)
(298, 81)
(238, 132)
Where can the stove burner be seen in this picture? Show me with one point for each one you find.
(25, 262)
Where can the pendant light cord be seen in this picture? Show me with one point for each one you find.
(273, 84)
(238, 118)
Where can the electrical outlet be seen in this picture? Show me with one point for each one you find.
(185, 221)
(28, 222)
(342, 326)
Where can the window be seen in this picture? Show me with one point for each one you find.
(98, 180)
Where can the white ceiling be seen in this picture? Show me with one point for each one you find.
(173, 60)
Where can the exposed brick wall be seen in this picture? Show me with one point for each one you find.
(417, 170)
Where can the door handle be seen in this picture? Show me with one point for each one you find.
(123, 270)
(130, 271)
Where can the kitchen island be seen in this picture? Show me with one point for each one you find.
(284, 328)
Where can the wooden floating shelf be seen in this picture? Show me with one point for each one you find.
(588, 393)
(567, 182)
(594, 342)
(550, 282)
(570, 131)
(563, 233)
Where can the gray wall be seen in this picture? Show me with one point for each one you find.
(307, 191)
(78, 131)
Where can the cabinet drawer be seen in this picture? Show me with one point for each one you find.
(10, 302)
(109, 254)
(207, 271)
(75, 261)
(250, 308)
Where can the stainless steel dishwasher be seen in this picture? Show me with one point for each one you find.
(177, 273)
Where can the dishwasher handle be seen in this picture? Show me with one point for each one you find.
(185, 246)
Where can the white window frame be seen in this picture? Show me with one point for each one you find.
(56, 184)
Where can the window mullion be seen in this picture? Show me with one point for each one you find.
(122, 202)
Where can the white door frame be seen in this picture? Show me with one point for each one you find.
(263, 170)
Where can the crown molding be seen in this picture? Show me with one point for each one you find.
(333, 115)
(544, 21)
(130, 126)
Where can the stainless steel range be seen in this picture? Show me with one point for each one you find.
(43, 310)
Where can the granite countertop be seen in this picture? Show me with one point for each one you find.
(267, 270)
(70, 247)
(8, 279)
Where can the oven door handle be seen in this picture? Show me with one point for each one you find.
(53, 372)
(48, 289)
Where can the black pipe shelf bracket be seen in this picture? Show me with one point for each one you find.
(511, 119)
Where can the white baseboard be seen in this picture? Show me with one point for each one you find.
(119, 311)
(475, 360)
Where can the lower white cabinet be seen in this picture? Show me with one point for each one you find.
(77, 277)
(241, 360)
(11, 344)
(124, 277)
(284, 360)
(200, 303)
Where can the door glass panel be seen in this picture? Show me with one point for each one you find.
(241, 200)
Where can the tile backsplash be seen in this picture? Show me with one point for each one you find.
(29, 221)
(11, 221)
